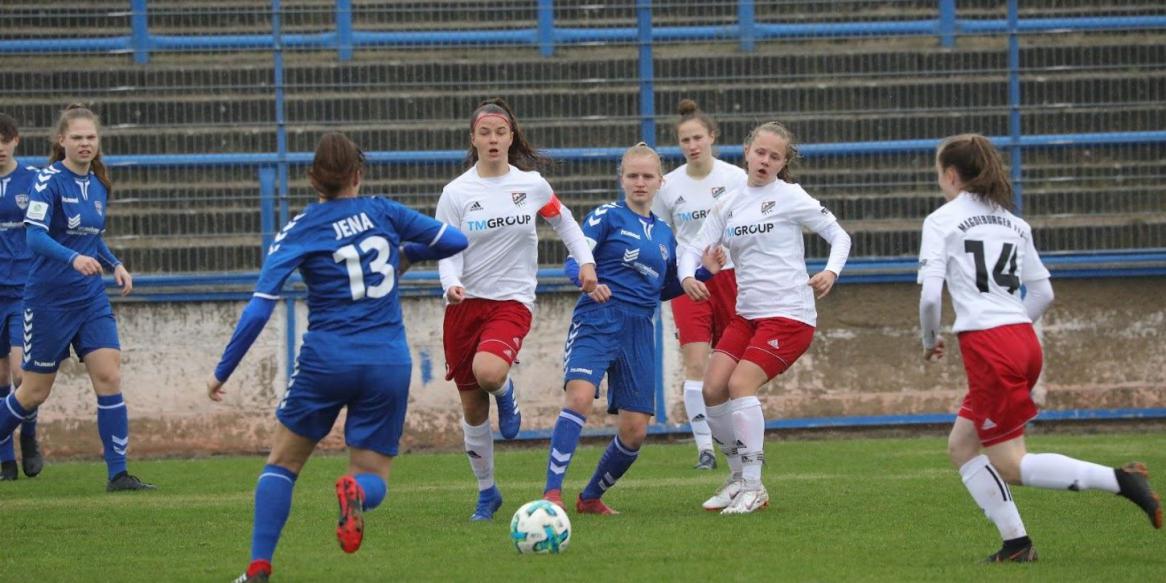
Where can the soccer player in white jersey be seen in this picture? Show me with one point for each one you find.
(490, 287)
(688, 194)
(761, 225)
(984, 253)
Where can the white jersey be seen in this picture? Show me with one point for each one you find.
(498, 217)
(762, 228)
(985, 253)
(684, 202)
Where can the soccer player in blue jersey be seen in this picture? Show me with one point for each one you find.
(349, 250)
(612, 331)
(64, 298)
(16, 182)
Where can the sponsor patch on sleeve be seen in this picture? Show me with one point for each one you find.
(37, 210)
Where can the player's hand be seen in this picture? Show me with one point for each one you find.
(695, 290)
(713, 258)
(601, 293)
(123, 279)
(588, 281)
(86, 265)
(455, 294)
(822, 282)
(936, 352)
(214, 388)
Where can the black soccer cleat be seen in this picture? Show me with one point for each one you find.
(30, 456)
(124, 482)
(707, 460)
(9, 471)
(1025, 554)
(1133, 481)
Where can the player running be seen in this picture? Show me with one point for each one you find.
(64, 302)
(16, 182)
(354, 355)
(490, 287)
(688, 194)
(761, 225)
(612, 331)
(984, 253)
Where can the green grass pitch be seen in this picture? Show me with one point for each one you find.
(842, 510)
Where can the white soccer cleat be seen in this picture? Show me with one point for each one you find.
(724, 495)
(748, 500)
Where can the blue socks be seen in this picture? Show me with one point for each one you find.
(11, 415)
(113, 424)
(273, 499)
(614, 463)
(7, 452)
(564, 440)
(374, 489)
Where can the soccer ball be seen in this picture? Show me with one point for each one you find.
(540, 527)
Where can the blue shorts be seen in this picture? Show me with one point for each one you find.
(11, 333)
(376, 397)
(619, 341)
(48, 333)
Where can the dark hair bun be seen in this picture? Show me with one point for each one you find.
(687, 107)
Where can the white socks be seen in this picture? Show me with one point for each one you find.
(991, 493)
(1057, 472)
(697, 417)
(749, 427)
(480, 450)
(720, 423)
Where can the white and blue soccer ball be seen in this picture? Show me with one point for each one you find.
(540, 527)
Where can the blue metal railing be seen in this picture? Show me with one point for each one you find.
(344, 39)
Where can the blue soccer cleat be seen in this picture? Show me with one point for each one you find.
(509, 417)
(489, 501)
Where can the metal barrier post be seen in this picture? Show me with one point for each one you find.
(344, 29)
(140, 35)
(947, 23)
(267, 206)
(1014, 103)
(746, 24)
(546, 27)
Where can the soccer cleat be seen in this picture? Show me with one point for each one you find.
(748, 500)
(489, 501)
(706, 461)
(724, 495)
(9, 471)
(1133, 479)
(260, 577)
(30, 456)
(350, 526)
(509, 417)
(555, 497)
(124, 482)
(1025, 554)
(595, 506)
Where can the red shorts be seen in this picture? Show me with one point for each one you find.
(478, 325)
(706, 321)
(774, 344)
(1003, 364)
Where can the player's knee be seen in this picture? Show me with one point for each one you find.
(694, 370)
(490, 378)
(633, 437)
(107, 382)
(961, 451)
(34, 394)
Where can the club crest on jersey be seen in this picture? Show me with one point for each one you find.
(100, 207)
(767, 207)
(519, 198)
(717, 191)
(664, 252)
(22, 201)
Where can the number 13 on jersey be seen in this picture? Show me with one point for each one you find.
(379, 264)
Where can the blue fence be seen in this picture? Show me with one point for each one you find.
(272, 168)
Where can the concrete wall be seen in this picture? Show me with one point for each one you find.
(1103, 338)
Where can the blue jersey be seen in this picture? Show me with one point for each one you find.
(635, 256)
(347, 251)
(15, 259)
(72, 209)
